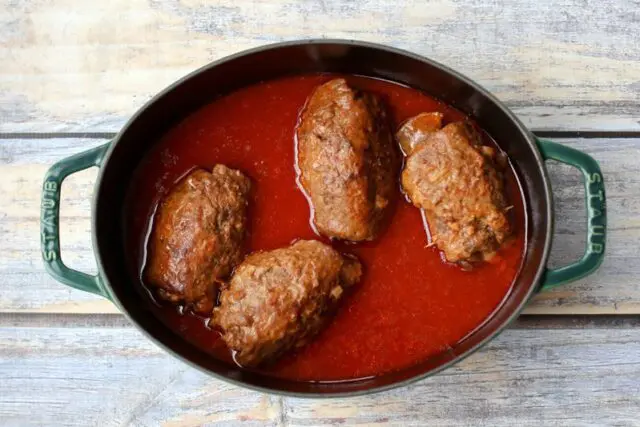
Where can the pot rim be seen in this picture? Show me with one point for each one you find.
(342, 42)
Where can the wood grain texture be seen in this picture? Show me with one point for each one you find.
(85, 67)
(73, 65)
(115, 377)
(22, 167)
(111, 377)
(26, 287)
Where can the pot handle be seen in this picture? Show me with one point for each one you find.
(596, 214)
(50, 220)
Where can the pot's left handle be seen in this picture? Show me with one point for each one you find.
(50, 220)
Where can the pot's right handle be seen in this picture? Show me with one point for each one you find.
(596, 213)
(50, 220)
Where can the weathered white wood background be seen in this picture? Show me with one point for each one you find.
(73, 71)
(74, 65)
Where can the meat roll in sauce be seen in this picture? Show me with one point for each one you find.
(197, 237)
(347, 161)
(279, 300)
(459, 184)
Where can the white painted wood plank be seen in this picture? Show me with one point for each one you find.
(23, 279)
(110, 377)
(115, 377)
(614, 289)
(73, 65)
(602, 292)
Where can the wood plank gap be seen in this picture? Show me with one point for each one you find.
(598, 321)
(585, 134)
(116, 320)
(57, 135)
(60, 320)
(561, 134)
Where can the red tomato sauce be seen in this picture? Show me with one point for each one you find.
(410, 304)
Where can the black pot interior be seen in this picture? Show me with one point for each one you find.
(241, 70)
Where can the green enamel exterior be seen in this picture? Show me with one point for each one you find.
(596, 214)
(50, 221)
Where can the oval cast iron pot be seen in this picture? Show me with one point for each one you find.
(119, 158)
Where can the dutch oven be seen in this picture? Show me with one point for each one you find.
(119, 158)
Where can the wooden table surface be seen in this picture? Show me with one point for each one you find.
(73, 71)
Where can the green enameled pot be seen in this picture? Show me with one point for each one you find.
(119, 158)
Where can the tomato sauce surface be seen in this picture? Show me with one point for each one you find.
(410, 304)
